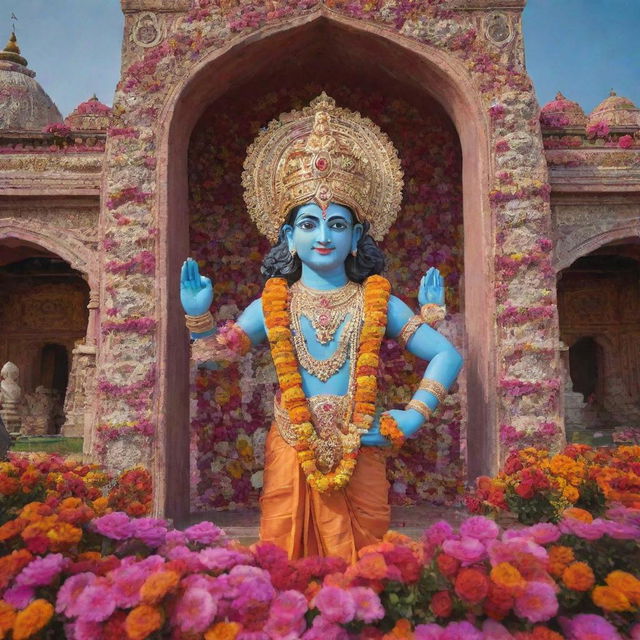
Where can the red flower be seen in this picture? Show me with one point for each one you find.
(498, 603)
(472, 585)
(441, 604)
(448, 565)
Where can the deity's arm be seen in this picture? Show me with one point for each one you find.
(424, 342)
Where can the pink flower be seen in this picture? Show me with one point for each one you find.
(195, 610)
(335, 604)
(588, 626)
(72, 587)
(41, 571)
(625, 142)
(586, 530)
(126, 583)
(87, 630)
(515, 549)
(219, 559)
(467, 550)
(289, 605)
(620, 530)
(204, 532)
(438, 532)
(254, 635)
(538, 602)
(461, 631)
(19, 596)
(95, 603)
(479, 527)
(116, 525)
(634, 633)
(544, 532)
(191, 558)
(368, 605)
(285, 629)
(429, 632)
(492, 630)
(323, 629)
(151, 531)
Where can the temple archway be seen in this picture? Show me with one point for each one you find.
(413, 69)
(599, 311)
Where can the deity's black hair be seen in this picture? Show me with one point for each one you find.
(279, 263)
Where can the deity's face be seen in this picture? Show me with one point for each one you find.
(323, 241)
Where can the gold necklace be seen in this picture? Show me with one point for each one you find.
(347, 342)
(325, 309)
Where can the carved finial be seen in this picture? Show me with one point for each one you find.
(559, 96)
(11, 51)
(612, 93)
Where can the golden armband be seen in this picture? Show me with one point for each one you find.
(435, 388)
(201, 323)
(408, 330)
(432, 314)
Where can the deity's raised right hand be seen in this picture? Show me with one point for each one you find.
(196, 291)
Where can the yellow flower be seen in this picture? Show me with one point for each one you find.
(610, 599)
(627, 583)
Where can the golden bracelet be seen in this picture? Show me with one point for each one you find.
(201, 323)
(432, 314)
(420, 407)
(433, 387)
(408, 330)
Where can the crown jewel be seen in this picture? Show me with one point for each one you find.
(322, 154)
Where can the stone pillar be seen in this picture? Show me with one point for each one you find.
(83, 367)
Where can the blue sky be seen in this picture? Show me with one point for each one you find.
(583, 48)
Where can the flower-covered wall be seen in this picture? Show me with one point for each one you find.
(232, 407)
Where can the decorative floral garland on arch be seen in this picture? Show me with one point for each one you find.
(275, 304)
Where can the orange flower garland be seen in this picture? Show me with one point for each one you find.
(390, 430)
(275, 305)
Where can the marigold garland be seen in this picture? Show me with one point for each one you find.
(275, 305)
(389, 429)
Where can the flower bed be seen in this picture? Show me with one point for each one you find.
(538, 486)
(71, 568)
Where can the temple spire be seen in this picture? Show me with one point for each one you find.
(11, 52)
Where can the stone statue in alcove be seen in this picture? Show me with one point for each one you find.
(10, 396)
(324, 184)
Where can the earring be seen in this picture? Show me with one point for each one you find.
(354, 253)
(292, 252)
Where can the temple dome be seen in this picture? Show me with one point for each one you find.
(562, 113)
(24, 104)
(616, 111)
(91, 115)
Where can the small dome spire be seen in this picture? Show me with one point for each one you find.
(90, 115)
(616, 111)
(11, 51)
(562, 113)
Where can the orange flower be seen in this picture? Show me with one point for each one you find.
(627, 583)
(401, 630)
(223, 631)
(63, 535)
(157, 585)
(559, 559)
(143, 621)
(610, 599)
(471, 585)
(505, 575)
(577, 514)
(578, 576)
(12, 528)
(32, 619)
(8, 485)
(544, 633)
(7, 617)
(100, 505)
(372, 566)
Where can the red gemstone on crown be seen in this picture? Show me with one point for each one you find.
(321, 164)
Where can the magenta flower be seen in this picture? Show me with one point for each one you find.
(467, 550)
(634, 633)
(479, 527)
(431, 631)
(174, 538)
(116, 525)
(461, 631)
(588, 626)
(126, 583)
(438, 532)
(586, 530)
(289, 605)
(195, 610)
(335, 604)
(191, 558)
(19, 596)
(538, 602)
(254, 635)
(87, 630)
(514, 549)
(72, 587)
(41, 571)
(204, 532)
(544, 532)
(493, 630)
(323, 629)
(152, 531)
(219, 559)
(368, 605)
(95, 603)
(285, 629)
(620, 530)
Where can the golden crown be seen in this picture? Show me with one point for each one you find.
(322, 154)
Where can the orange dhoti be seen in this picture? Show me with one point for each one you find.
(306, 522)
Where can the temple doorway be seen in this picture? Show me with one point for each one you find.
(599, 310)
(231, 408)
(43, 316)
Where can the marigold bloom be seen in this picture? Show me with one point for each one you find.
(7, 617)
(627, 583)
(505, 575)
(471, 585)
(578, 576)
(578, 514)
(143, 621)
(610, 599)
(223, 631)
(560, 558)
(372, 566)
(34, 617)
(157, 585)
